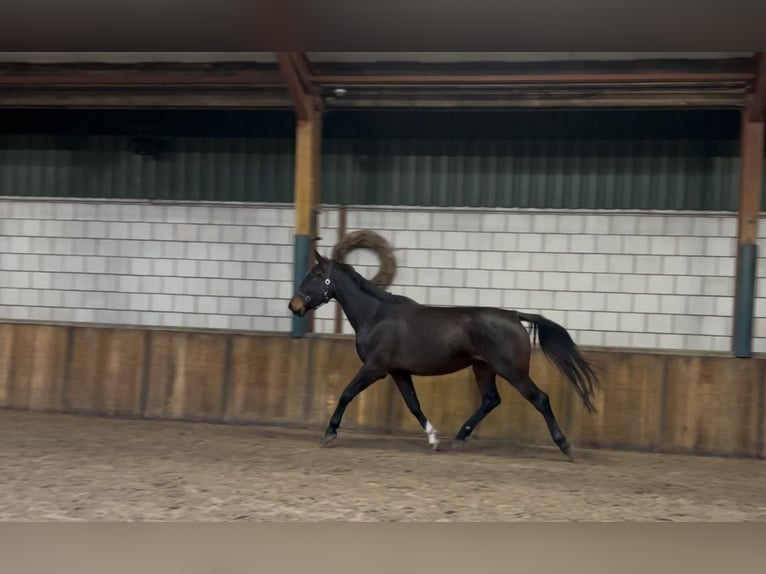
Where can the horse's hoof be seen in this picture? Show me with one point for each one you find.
(458, 443)
(328, 438)
(567, 450)
(435, 446)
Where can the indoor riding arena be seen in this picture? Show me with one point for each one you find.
(158, 212)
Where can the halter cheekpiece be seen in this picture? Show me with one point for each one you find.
(325, 288)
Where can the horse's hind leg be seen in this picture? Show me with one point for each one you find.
(407, 389)
(485, 380)
(530, 391)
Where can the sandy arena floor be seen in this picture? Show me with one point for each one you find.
(61, 467)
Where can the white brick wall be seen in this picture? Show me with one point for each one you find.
(146, 264)
(651, 280)
(648, 280)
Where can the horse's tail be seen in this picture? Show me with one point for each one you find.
(558, 346)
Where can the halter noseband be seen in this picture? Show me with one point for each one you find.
(325, 288)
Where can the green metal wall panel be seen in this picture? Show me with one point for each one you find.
(218, 156)
(539, 159)
(550, 159)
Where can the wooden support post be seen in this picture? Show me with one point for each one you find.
(341, 235)
(307, 165)
(308, 138)
(751, 176)
(316, 165)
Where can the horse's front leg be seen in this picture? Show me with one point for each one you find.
(407, 389)
(366, 375)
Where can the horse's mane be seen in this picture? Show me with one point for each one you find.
(368, 286)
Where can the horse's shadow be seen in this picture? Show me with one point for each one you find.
(494, 448)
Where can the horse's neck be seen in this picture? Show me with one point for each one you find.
(356, 304)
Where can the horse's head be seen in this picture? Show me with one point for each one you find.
(315, 290)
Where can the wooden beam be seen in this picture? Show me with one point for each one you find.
(491, 66)
(302, 68)
(758, 106)
(238, 73)
(306, 63)
(535, 101)
(750, 182)
(137, 77)
(302, 100)
(550, 78)
(168, 98)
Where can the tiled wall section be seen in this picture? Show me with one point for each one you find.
(646, 280)
(651, 280)
(146, 264)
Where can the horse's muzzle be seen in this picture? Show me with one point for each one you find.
(297, 306)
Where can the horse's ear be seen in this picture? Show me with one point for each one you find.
(319, 257)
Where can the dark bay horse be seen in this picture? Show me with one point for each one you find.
(399, 337)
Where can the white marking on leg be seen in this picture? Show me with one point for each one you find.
(433, 438)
